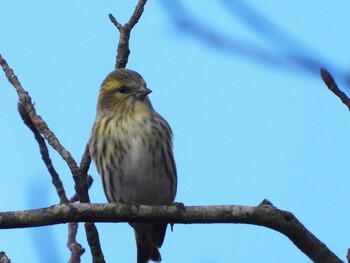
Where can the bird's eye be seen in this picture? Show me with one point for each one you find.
(123, 89)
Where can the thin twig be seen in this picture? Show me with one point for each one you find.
(115, 22)
(85, 162)
(134, 19)
(77, 250)
(123, 50)
(332, 86)
(264, 214)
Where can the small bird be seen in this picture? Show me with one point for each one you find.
(131, 146)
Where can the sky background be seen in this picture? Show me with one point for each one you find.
(244, 130)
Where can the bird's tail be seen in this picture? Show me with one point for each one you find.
(149, 238)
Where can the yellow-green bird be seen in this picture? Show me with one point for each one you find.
(131, 146)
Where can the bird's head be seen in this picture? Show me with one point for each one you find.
(123, 91)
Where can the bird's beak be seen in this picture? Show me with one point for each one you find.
(143, 92)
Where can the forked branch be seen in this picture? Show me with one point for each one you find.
(123, 50)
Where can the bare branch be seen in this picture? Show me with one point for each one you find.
(81, 186)
(123, 50)
(85, 162)
(43, 128)
(76, 249)
(115, 22)
(288, 53)
(137, 14)
(332, 86)
(94, 242)
(264, 214)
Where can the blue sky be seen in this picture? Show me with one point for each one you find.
(244, 131)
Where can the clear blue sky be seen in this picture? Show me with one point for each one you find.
(244, 131)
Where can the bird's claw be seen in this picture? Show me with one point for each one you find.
(180, 206)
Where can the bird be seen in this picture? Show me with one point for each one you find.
(131, 147)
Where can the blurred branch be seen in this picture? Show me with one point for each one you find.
(289, 54)
(187, 23)
(123, 50)
(4, 258)
(332, 86)
(292, 49)
(264, 214)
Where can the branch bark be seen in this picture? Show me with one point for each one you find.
(123, 50)
(264, 214)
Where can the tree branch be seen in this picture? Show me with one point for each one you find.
(264, 214)
(85, 162)
(288, 53)
(123, 50)
(81, 186)
(332, 86)
(43, 128)
(76, 249)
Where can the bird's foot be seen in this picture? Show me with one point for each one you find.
(181, 209)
